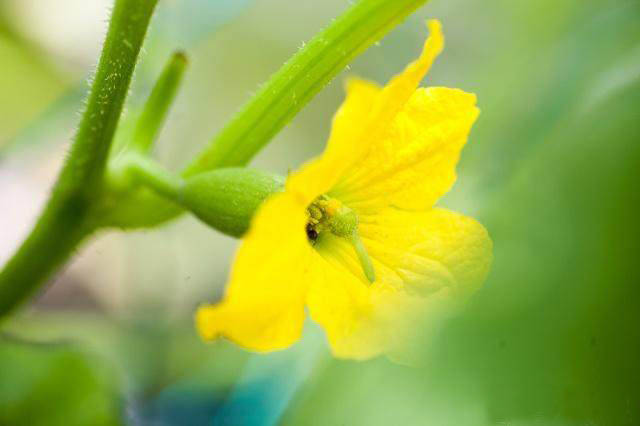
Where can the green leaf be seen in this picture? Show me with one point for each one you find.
(54, 384)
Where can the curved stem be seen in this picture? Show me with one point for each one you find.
(149, 173)
(67, 217)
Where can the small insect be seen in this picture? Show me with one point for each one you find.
(312, 234)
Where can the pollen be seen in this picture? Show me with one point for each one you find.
(332, 206)
(329, 214)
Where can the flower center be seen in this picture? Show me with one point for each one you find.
(329, 214)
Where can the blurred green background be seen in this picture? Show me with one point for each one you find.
(552, 169)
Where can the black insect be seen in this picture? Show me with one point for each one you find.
(312, 234)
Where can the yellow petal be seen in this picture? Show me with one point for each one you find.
(362, 120)
(407, 153)
(364, 322)
(424, 252)
(350, 121)
(319, 175)
(397, 92)
(424, 262)
(263, 308)
(414, 164)
(343, 305)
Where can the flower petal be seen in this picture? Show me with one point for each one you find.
(363, 118)
(319, 175)
(424, 263)
(424, 252)
(350, 121)
(363, 320)
(263, 308)
(397, 92)
(343, 305)
(414, 164)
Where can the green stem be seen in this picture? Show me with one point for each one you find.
(67, 218)
(149, 173)
(157, 106)
(298, 81)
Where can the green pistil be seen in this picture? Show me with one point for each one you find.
(344, 222)
(341, 221)
(363, 256)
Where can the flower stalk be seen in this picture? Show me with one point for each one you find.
(225, 199)
(144, 171)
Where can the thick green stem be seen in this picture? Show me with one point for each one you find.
(67, 217)
(298, 81)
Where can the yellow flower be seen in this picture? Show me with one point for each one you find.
(355, 236)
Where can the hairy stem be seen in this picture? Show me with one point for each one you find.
(67, 219)
(298, 81)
